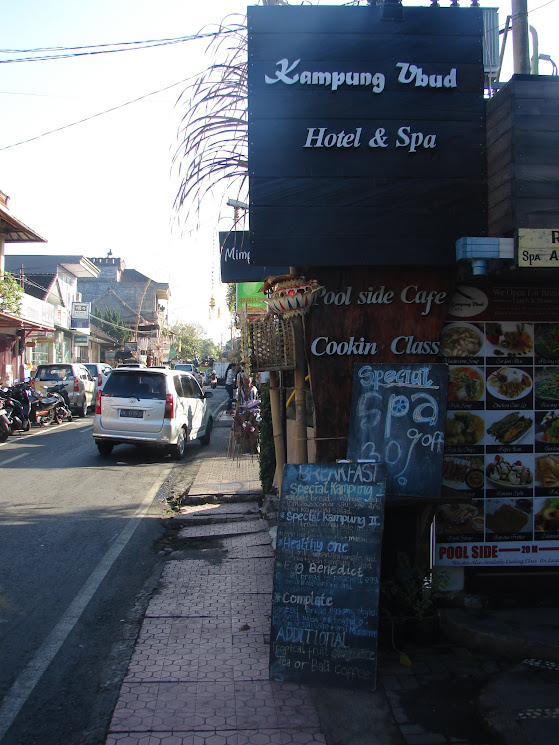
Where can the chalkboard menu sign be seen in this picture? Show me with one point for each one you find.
(398, 416)
(327, 573)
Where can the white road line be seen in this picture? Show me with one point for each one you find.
(31, 674)
(11, 460)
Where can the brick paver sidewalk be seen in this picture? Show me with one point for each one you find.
(199, 670)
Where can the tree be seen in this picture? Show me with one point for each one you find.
(231, 298)
(10, 294)
(189, 340)
(110, 322)
(208, 350)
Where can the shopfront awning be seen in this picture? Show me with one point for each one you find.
(10, 323)
(14, 231)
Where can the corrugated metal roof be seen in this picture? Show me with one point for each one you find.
(14, 230)
(79, 266)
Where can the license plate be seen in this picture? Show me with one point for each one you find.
(132, 413)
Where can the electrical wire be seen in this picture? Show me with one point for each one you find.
(94, 116)
(94, 49)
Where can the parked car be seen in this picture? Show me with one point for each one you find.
(186, 367)
(151, 406)
(77, 381)
(99, 372)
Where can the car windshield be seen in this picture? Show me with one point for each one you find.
(92, 369)
(135, 385)
(54, 372)
(185, 366)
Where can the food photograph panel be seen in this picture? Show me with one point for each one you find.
(504, 429)
(508, 342)
(466, 387)
(547, 431)
(465, 431)
(509, 388)
(509, 474)
(509, 518)
(546, 343)
(460, 522)
(463, 474)
(546, 387)
(461, 341)
(546, 518)
(547, 474)
(501, 463)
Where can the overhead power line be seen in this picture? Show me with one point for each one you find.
(93, 49)
(94, 116)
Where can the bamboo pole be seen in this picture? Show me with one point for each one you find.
(277, 427)
(301, 448)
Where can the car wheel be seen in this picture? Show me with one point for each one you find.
(105, 448)
(205, 439)
(83, 408)
(177, 450)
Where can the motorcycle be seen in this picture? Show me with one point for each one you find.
(62, 407)
(5, 427)
(16, 412)
(213, 379)
(41, 409)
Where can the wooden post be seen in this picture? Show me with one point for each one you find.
(277, 427)
(301, 448)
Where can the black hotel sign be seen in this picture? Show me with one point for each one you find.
(366, 138)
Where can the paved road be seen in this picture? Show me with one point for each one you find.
(77, 562)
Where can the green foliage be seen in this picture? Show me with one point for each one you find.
(208, 349)
(189, 340)
(231, 297)
(267, 461)
(111, 323)
(411, 591)
(10, 294)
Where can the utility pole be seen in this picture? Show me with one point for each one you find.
(138, 316)
(520, 44)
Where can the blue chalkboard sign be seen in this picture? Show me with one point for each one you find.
(398, 415)
(327, 574)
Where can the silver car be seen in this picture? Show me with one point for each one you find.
(151, 406)
(77, 381)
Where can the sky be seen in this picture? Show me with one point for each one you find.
(108, 183)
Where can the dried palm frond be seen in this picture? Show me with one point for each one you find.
(213, 137)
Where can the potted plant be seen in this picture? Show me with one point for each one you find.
(407, 599)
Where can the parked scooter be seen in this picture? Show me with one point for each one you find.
(5, 427)
(62, 407)
(15, 411)
(41, 409)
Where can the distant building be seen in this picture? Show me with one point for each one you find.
(140, 302)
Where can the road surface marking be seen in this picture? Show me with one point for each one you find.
(31, 674)
(11, 460)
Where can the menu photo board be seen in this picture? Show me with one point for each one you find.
(502, 440)
(327, 575)
(398, 417)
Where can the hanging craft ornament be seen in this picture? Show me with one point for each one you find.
(292, 296)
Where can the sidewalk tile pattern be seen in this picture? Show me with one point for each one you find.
(222, 475)
(199, 671)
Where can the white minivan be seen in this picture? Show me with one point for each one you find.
(151, 406)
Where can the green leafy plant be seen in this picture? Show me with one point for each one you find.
(410, 593)
(10, 294)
